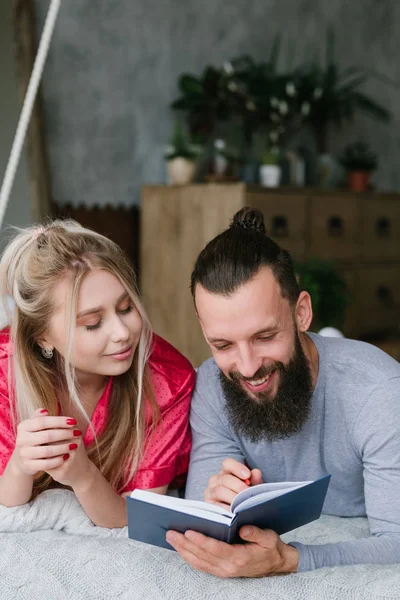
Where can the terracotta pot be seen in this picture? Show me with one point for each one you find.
(180, 171)
(358, 181)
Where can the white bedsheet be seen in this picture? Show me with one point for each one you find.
(50, 550)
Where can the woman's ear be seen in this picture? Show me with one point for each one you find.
(43, 342)
(303, 312)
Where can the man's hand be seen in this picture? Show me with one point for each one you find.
(222, 488)
(265, 554)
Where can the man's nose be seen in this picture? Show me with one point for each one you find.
(248, 363)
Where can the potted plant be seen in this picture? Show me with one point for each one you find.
(359, 162)
(181, 156)
(328, 95)
(328, 291)
(270, 170)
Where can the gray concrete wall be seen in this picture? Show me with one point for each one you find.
(19, 207)
(114, 65)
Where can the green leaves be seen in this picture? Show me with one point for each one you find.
(358, 157)
(181, 146)
(328, 291)
(256, 94)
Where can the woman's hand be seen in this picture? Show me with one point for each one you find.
(76, 469)
(232, 479)
(44, 443)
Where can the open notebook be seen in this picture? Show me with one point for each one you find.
(279, 506)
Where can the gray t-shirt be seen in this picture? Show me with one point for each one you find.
(353, 433)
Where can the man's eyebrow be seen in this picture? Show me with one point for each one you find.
(272, 329)
(97, 309)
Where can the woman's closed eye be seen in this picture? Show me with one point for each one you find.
(127, 310)
(94, 326)
(121, 311)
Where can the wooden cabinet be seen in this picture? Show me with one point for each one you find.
(361, 232)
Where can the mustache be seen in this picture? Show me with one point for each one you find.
(262, 372)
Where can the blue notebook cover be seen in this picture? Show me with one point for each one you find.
(149, 523)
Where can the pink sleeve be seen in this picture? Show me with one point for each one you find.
(7, 438)
(167, 454)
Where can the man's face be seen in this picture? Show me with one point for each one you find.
(265, 374)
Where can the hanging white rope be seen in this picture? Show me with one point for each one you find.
(27, 107)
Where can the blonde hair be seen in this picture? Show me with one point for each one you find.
(32, 264)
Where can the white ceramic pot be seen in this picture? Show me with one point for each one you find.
(180, 171)
(270, 175)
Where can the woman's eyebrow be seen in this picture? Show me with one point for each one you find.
(98, 309)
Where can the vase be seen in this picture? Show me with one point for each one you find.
(249, 173)
(180, 171)
(270, 175)
(330, 173)
(358, 181)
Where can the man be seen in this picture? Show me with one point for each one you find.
(277, 404)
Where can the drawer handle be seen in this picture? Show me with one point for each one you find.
(280, 227)
(382, 227)
(335, 226)
(384, 295)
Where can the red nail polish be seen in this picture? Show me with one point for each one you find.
(44, 411)
(73, 446)
(247, 481)
(71, 422)
(77, 432)
(66, 457)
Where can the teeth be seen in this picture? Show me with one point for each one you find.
(259, 381)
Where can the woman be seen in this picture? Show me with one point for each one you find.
(89, 397)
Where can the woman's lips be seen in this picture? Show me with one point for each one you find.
(122, 354)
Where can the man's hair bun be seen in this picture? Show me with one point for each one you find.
(249, 218)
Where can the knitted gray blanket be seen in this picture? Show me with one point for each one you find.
(51, 550)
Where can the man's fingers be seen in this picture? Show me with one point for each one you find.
(263, 537)
(231, 483)
(219, 494)
(198, 544)
(201, 552)
(233, 467)
(256, 477)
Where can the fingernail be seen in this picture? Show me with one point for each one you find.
(247, 481)
(66, 457)
(43, 411)
(77, 432)
(73, 446)
(170, 537)
(246, 531)
(245, 473)
(71, 422)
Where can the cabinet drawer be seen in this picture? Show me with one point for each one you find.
(378, 298)
(380, 228)
(334, 227)
(285, 219)
(351, 325)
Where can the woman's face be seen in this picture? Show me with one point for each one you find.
(107, 330)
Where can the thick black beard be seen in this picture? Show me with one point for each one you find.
(267, 417)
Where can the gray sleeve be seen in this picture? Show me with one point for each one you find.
(213, 440)
(377, 440)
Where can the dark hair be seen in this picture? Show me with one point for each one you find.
(235, 256)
